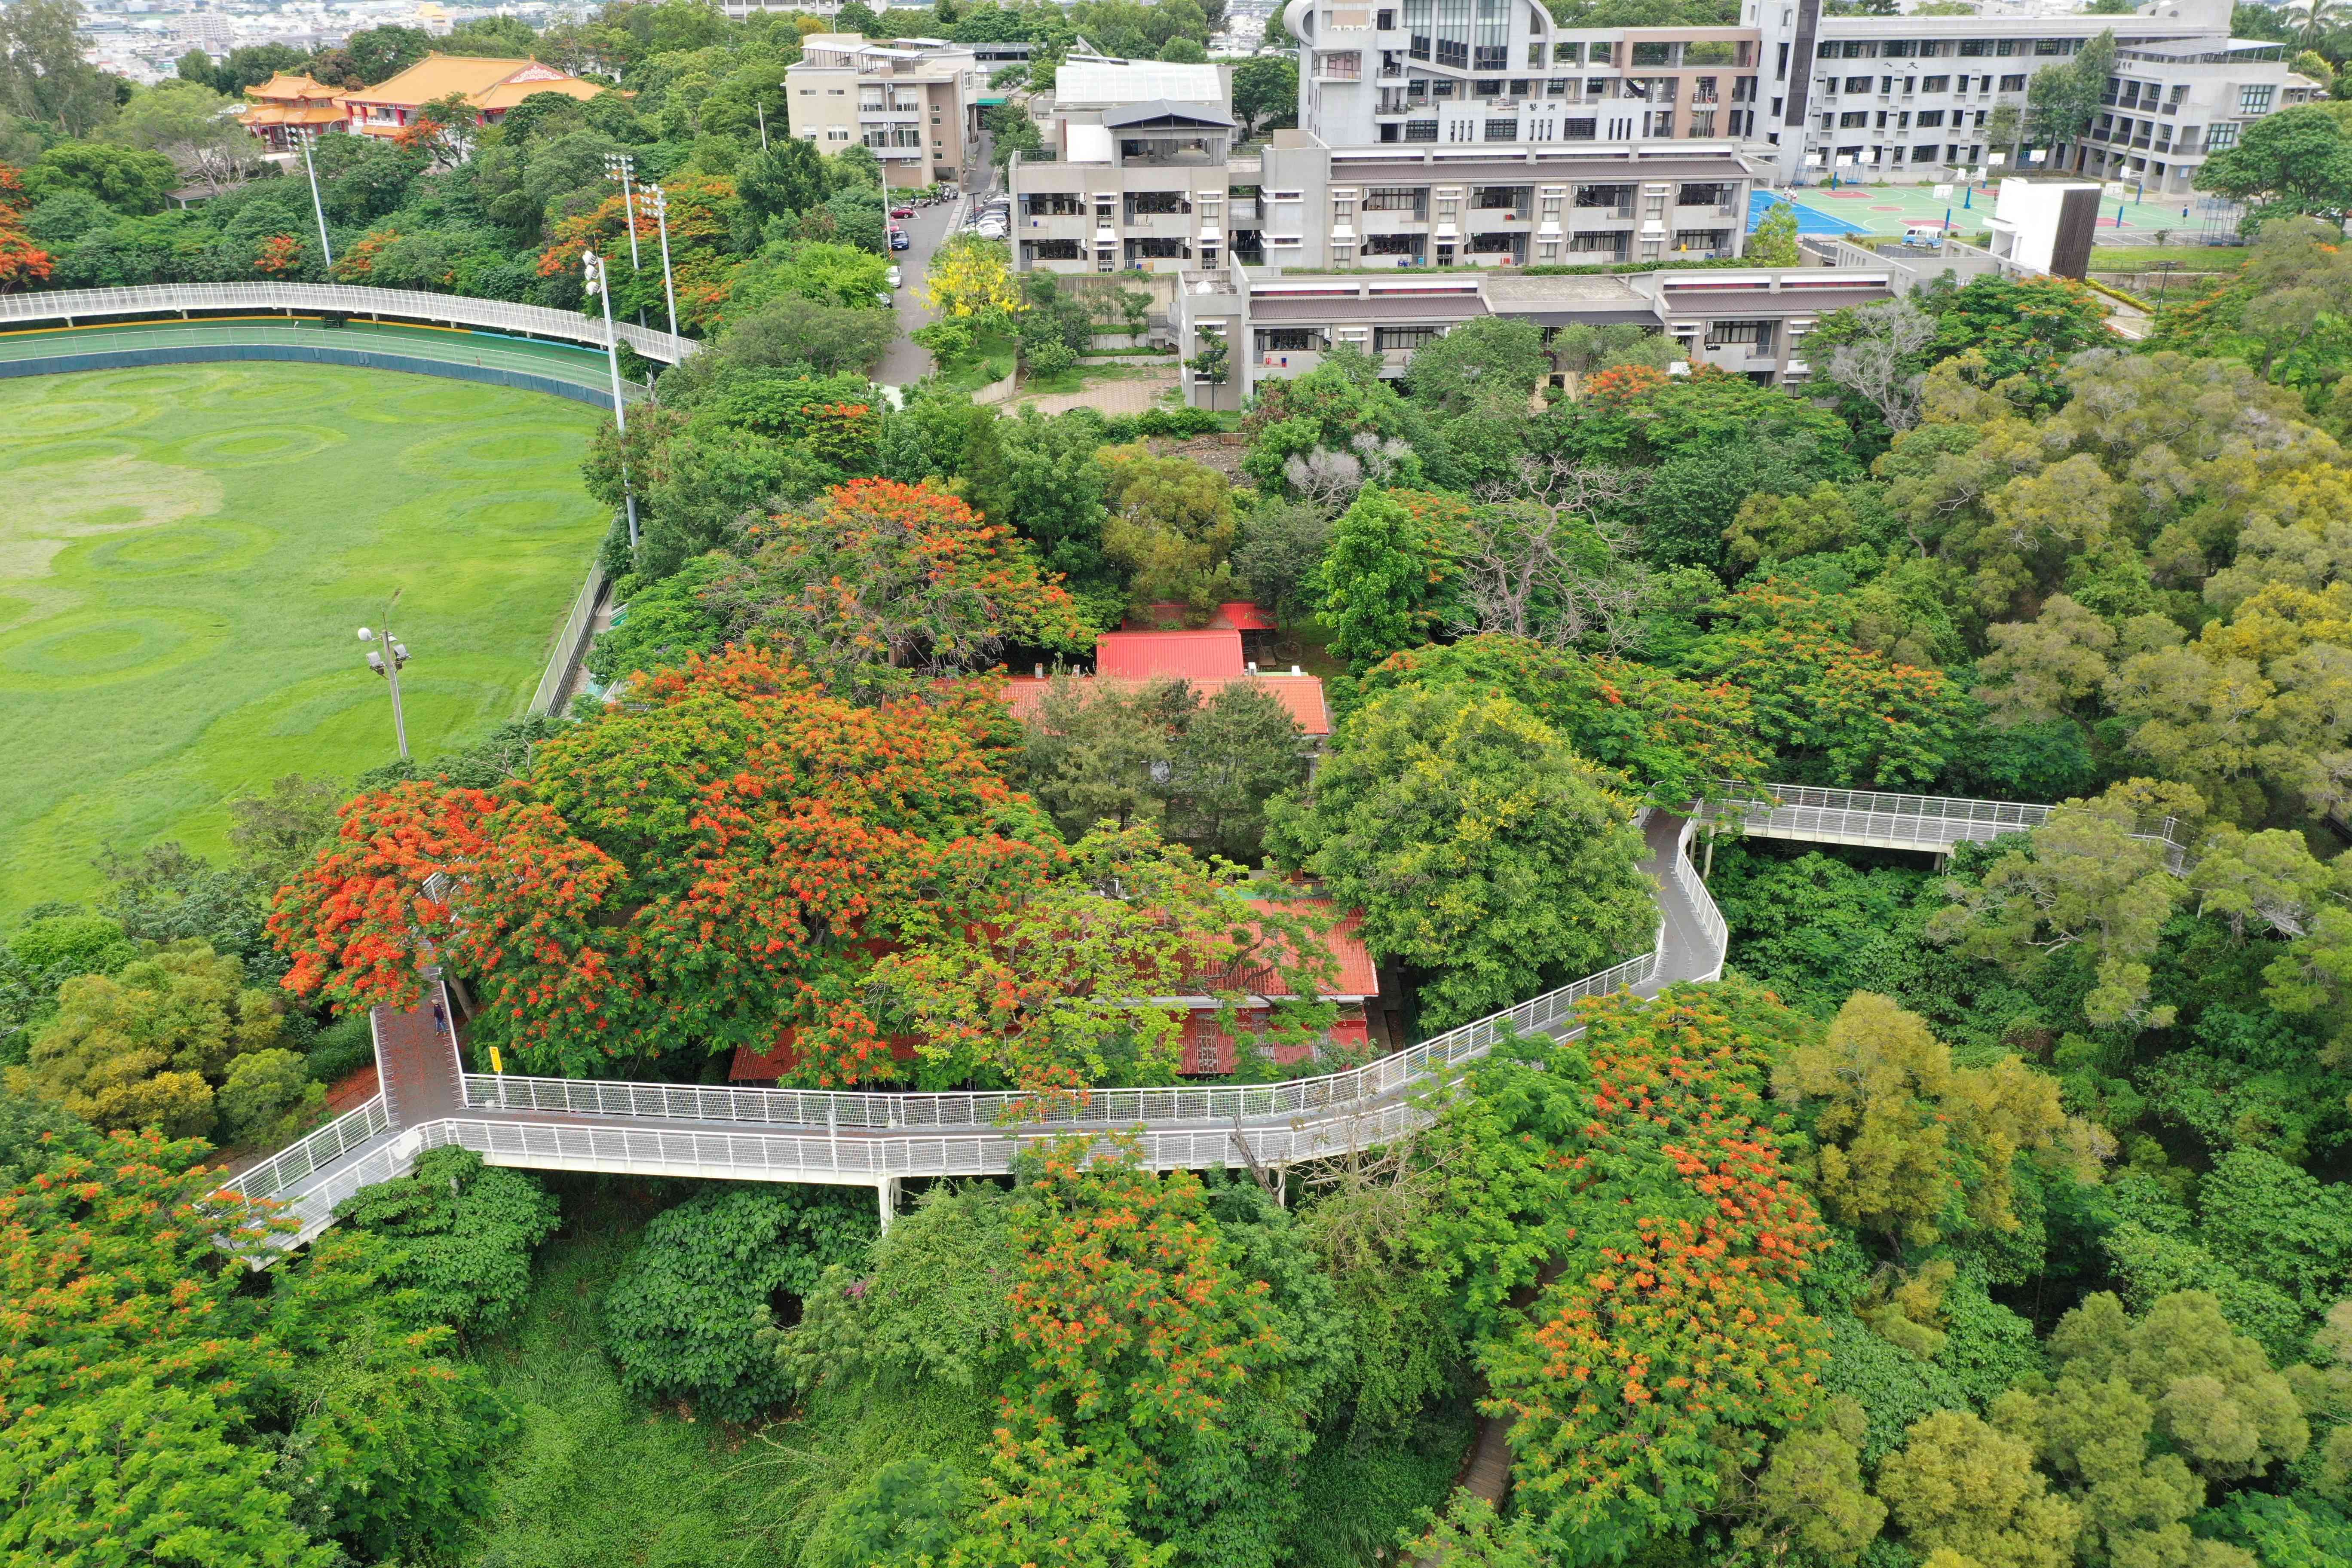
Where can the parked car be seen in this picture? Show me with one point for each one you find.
(898, 240)
(991, 229)
(893, 278)
(902, 212)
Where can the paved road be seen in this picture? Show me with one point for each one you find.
(907, 362)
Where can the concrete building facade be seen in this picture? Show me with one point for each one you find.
(1136, 173)
(909, 101)
(1911, 96)
(1135, 180)
(1455, 71)
(1749, 321)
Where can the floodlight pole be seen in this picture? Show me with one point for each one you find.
(599, 282)
(303, 138)
(387, 664)
(660, 201)
(621, 163)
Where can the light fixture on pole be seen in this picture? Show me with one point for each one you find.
(597, 277)
(620, 167)
(386, 662)
(301, 135)
(658, 199)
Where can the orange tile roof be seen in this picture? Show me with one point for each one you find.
(507, 94)
(1301, 694)
(292, 114)
(486, 84)
(438, 75)
(1354, 973)
(1206, 654)
(292, 88)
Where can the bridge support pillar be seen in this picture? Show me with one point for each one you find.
(886, 1192)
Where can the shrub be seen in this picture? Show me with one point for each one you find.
(682, 1322)
(265, 1097)
(1050, 357)
(466, 1232)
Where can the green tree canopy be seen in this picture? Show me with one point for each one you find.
(1482, 850)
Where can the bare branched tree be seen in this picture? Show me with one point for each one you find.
(1551, 556)
(1329, 479)
(1878, 367)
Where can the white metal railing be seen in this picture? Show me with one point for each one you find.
(1920, 821)
(297, 1162)
(817, 1157)
(312, 1206)
(788, 1134)
(1180, 1105)
(1714, 932)
(570, 642)
(413, 304)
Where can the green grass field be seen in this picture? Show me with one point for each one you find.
(185, 554)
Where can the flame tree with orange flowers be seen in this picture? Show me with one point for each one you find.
(1668, 1346)
(737, 858)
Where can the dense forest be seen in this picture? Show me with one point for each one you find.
(1989, 1215)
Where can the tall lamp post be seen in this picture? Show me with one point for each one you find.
(303, 134)
(597, 275)
(386, 662)
(621, 166)
(658, 199)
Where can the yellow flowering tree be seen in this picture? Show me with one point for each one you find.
(971, 276)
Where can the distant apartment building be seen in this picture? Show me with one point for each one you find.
(1498, 204)
(909, 101)
(1136, 171)
(1449, 72)
(1911, 96)
(1135, 177)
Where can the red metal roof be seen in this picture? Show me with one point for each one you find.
(1204, 655)
(1301, 694)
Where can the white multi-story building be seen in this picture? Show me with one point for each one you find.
(1139, 175)
(909, 101)
(1136, 171)
(1911, 96)
(1451, 71)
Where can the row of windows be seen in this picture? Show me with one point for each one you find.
(1904, 119)
(1651, 89)
(1926, 83)
(1937, 49)
(1653, 123)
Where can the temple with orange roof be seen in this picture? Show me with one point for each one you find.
(286, 104)
(492, 86)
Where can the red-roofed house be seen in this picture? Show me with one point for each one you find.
(1355, 984)
(1204, 656)
(1210, 659)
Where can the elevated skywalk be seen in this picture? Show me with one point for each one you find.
(867, 1139)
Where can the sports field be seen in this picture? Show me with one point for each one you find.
(1887, 210)
(185, 554)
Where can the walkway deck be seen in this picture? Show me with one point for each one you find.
(876, 1139)
(873, 1139)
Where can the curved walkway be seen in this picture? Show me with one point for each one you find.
(877, 1139)
(71, 307)
(463, 353)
